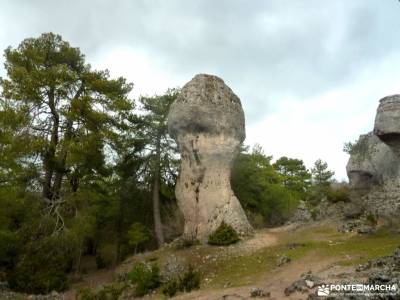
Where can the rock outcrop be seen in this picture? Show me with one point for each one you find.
(371, 163)
(207, 122)
(374, 164)
(387, 122)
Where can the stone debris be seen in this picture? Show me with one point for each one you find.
(283, 260)
(259, 292)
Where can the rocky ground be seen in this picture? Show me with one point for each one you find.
(287, 262)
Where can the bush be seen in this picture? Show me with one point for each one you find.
(223, 235)
(138, 235)
(100, 262)
(314, 211)
(43, 266)
(107, 292)
(85, 294)
(190, 280)
(145, 277)
(105, 256)
(170, 288)
(335, 195)
(371, 219)
(9, 248)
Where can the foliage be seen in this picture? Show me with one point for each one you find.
(321, 175)
(223, 235)
(294, 174)
(260, 188)
(159, 159)
(190, 280)
(9, 248)
(360, 150)
(86, 294)
(145, 277)
(42, 267)
(108, 292)
(371, 219)
(138, 235)
(337, 194)
(170, 288)
(314, 211)
(60, 123)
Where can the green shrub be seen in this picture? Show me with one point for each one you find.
(170, 288)
(107, 292)
(190, 280)
(105, 256)
(110, 292)
(314, 213)
(183, 243)
(145, 277)
(335, 195)
(9, 248)
(85, 294)
(100, 262)
(223, 235)
(43, 266)
(138, 235)
(371, 219)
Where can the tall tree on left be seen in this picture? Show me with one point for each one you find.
(71, 115)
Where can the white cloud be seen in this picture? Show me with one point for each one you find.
(136, 66)
(318, 127)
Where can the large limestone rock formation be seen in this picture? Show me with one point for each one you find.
(371, 163)
(207, 122)
(387, 122)
(374, 164)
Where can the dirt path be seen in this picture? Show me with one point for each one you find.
(275, 282)
(91, 280)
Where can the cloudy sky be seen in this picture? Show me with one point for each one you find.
(309, 73)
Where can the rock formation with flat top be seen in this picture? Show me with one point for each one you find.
(207, 122)
(374, 165)
(371, 163)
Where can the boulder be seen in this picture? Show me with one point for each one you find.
(374, 164)
(387, 122)
(207, 122)
(371, 162)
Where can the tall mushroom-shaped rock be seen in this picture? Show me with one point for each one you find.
(387, 122)
(207, 122)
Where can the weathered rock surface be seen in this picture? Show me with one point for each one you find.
(207, 122)
(374, 164)
(387, 122)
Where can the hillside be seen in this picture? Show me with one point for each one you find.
(233, 272)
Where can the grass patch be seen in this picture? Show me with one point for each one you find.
(219, 266)
(349, 249)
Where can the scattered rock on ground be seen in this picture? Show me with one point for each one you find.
(258, 292)
(283, 260)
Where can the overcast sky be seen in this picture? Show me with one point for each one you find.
(309, 73)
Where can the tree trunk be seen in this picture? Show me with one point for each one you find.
(156, 195)
(49, 156)
(60, 171)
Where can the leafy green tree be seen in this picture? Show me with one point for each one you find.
(321, 175)
(259, 187)
(159, 153)
(62, 126)
(138, 235)
(295, 175)
(68, 113)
